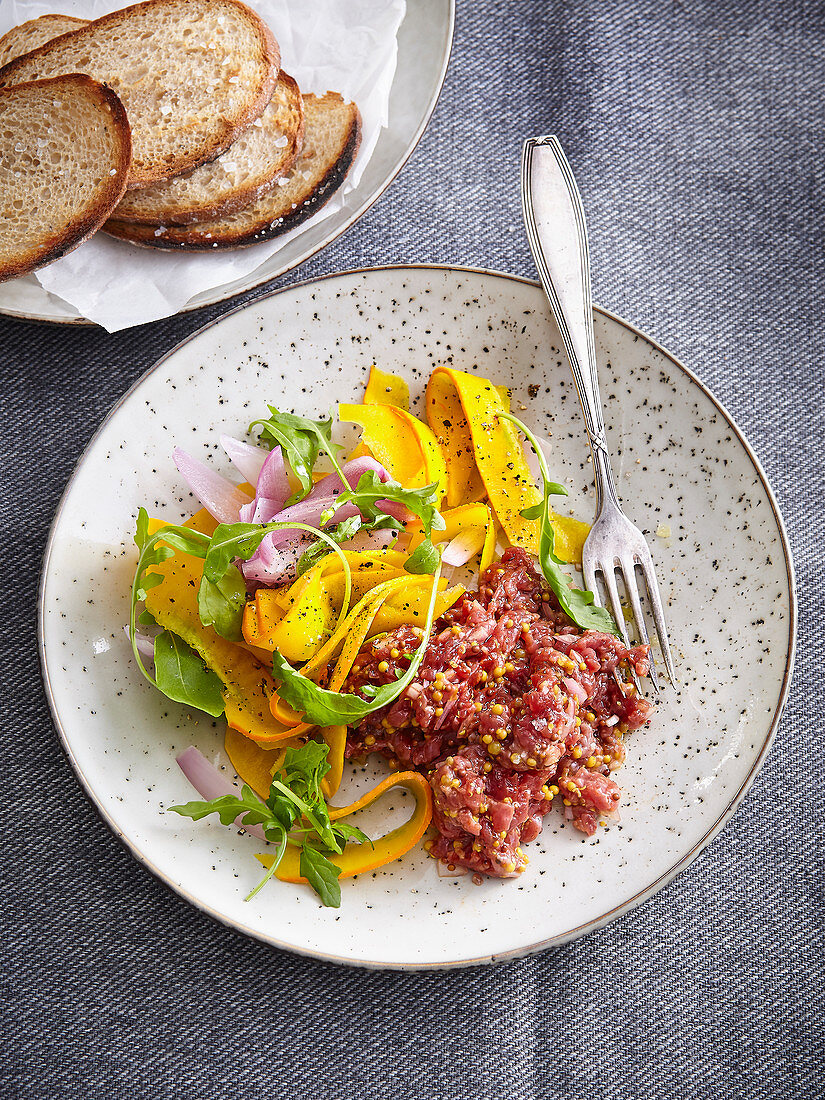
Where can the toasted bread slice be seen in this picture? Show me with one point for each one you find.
(332, 133)
(64, 160)
(192, 75)
(28, 36)
(248, 169)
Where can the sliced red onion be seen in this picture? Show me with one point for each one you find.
(306, 511)
(332, 485)
(247, 458)
(459, 550)
(273, 483)
(220, 497)
(260, 510)
(352, 472)
(210, 783)
(145, 645)
(273, 564)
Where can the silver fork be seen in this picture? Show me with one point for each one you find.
(554, 216)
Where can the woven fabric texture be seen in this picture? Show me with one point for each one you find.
(695, 130)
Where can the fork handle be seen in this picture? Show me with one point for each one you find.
(557, 231)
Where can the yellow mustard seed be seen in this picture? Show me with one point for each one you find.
(577, 752)
(591, 761)
(369, 739)
(383, 666)
(494, 749)
(487, 739)
(487, 766)
(395, 654)
(497, 708)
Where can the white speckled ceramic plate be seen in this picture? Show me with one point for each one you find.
(424, 43)
(686, 476)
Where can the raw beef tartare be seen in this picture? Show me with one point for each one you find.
(513, 707)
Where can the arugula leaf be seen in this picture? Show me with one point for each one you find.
(341, 532)
(299, 781)
(301, 440)
(322, 875)
(229, 807)
(424, 559)
(371, 489)
(181, 675)
(321, 707)
(252, 811)
(577, 603)
(155, 549)
(221, 603)
(295, 797)
(351, 832)
(230, 541)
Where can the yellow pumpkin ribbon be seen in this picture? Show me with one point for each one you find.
(247, 686)
(483, 453)
(357, 858)
(387, 389)
(402, 443)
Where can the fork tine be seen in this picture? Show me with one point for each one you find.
(628, 569)
(589, 574)
(646, 563)
(618, 612)
(615, 603)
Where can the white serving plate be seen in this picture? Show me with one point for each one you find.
(684, 471)
(424, 42)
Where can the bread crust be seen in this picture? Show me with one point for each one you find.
(50, 247)
(230, 130)
(193, 238)
(242, 196)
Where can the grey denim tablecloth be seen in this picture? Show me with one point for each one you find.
(696, 131)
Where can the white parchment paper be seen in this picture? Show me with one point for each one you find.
(346, 46)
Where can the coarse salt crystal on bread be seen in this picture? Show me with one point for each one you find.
(332, 133)
(215, 61)
(64, 161)
(248, 169)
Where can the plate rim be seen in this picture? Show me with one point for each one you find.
(516, 953)
(330, 238)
